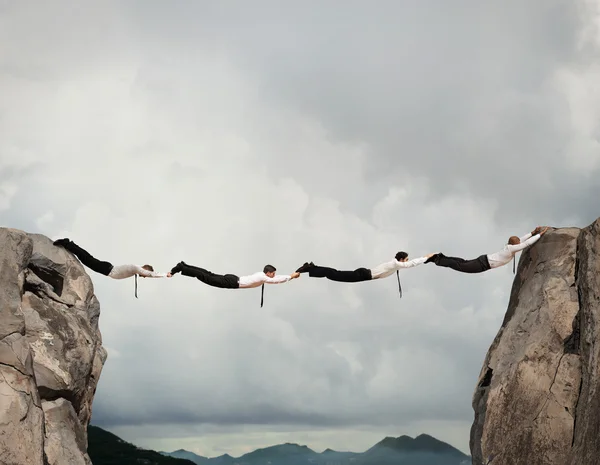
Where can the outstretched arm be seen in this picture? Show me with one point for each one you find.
(537, 230)
(525, 237)
(150, 274)
(281, 278)
(523, 245)
(411, 263)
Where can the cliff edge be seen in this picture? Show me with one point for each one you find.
(538, 394)
(51, 352)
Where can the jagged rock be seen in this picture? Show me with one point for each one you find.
(527, 403)
(51, 353)
(66, 440)
(14, 256)
(586, 444)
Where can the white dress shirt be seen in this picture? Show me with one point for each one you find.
(508, 252)
(388, 268)
(127, 271)
(258, 278)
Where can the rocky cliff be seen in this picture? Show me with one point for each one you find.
(51, 352)
(537, 400)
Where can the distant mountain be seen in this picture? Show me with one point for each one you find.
(286, 454)
(422, 443)
(105, 448)
(422, 450)
(334, 457)
(291, 453)
(184, 454)
(404, 450)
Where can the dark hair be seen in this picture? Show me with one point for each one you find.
(514, 240)
(401, 256)
(148, 267)
(269, 269)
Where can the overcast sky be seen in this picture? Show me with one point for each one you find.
(234, 134)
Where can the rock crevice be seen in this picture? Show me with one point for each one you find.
(51, 353)
(538, 393)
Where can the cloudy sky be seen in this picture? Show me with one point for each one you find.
(235, 134)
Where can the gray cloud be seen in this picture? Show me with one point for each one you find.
(460, 93)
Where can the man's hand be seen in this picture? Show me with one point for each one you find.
(429, 255)
(543, 231)
(536, 230)
(169, 275)
(295, 275)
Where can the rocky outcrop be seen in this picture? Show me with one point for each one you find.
(586, 439)
(51, 352)
(538, 394)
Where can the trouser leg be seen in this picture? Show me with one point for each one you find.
(354, 276)
(476, 265)
(227, 281)
(87, 259)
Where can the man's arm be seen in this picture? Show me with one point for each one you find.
(281, 278)
(537, 230)
(532, 240)
(526, 236)
(411, 263)
(150, 274)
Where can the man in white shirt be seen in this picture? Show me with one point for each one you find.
(486, 262)
(231, 281)
(364, 274)
(107, 268)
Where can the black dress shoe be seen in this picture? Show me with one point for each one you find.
(177, 268)
(304, 268)
(433, 258)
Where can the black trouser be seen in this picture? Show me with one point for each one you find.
(476, 265)
(354, 276)
(86, 258)
(227, 281)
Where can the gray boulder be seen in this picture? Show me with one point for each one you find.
(51, 353)
(537, 396)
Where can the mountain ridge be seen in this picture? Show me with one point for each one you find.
(106, 448)
(422, 450)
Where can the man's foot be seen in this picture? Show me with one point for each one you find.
(177, 268)
(433, 258)
(304, 268)
(62, 242)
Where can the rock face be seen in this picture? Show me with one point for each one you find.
(51, 352)
(538, 394)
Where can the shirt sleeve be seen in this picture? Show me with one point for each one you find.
(411, 263)
(149, 274)
(278, 279)
(525, 237)
(518, 247)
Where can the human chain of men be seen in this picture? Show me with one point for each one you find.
(268, 274)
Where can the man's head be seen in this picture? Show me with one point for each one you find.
(514, 240)
(148, 267)
(269, 270)
(402, 256)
